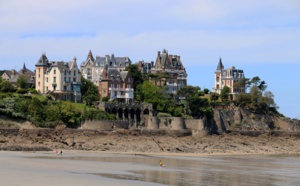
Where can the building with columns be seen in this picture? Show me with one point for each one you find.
(229, 77)
(59, 78)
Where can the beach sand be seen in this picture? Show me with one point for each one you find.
(97, 168)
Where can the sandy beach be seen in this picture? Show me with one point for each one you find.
(97, 168)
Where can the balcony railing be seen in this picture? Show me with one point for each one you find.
(121, 96)
(121, 89)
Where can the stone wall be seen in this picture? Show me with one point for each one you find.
(174, 123)
(194, 124)
(104, 125)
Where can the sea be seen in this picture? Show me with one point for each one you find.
(78, 168)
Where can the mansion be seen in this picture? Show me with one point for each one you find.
(92, 68)
(229, 77)
(170, 67)
(62, 79)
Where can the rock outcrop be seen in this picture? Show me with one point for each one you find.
(241, 119)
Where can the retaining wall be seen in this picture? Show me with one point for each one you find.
(105, 125)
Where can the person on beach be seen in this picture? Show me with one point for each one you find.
(160, 163)
(61, 152)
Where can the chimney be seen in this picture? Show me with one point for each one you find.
(152, 64)
(170, 57)
(178, 57)
(106, 57)
(104, 74)
(140, 64)
(233, 67)
(158, 53)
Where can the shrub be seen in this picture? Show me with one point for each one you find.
(105, 99)
(33, 91)
(162, 114)
(22, 91)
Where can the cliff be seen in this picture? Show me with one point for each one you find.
(237, 119)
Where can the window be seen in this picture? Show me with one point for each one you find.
(39, 75)
(65, 87)
(39, 83)
(65, 72)
(74, 73)
(47, 88)
(47, 80)
(54, 79)
(74, 79)
(69, 79)
(54, 72)
(39, 70)
(128, 80)
(65, 79)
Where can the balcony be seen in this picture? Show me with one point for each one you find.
(181, 78)
(121, 96)
(121, 89)
(171, 84)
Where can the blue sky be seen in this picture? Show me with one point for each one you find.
(260, 37)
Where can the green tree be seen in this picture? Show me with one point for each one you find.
(269, 99)
(225, 93)
(153, 94)
(89, 91)
(69, 114)
(214, 96)
(55, 111)
(255, 96)
(22, 82)
(137, 80)
(243, 100)
(6, 86)
(135, 74)
(206, 91)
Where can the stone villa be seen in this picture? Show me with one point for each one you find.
(63, 79)
(228, 77)
(92, 68)
(172, 69)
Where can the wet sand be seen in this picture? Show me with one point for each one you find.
(98, 168)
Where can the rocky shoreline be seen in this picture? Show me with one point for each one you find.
(150, 141)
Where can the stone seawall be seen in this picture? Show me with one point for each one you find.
(105, 125)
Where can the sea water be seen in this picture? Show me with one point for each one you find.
(92, 168)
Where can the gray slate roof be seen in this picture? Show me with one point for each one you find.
(43, 61)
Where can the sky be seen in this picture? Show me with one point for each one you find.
(260, 37)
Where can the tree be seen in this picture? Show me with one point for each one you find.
(262, 86)
(206, 91)
(270, 99)
(255, 81)
(225, 93)
(188, 91)
(135, 74)
(89, 91)
(255, 96)
(214, 96)
(6, 86)
(22, 82)
(243, 100)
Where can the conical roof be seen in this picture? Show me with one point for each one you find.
(220, 66)
(43, 61)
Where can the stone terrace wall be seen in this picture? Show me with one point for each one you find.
(194, 124)
(174, 123)
(104, 125)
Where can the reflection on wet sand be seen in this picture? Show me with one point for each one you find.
(190, 171)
